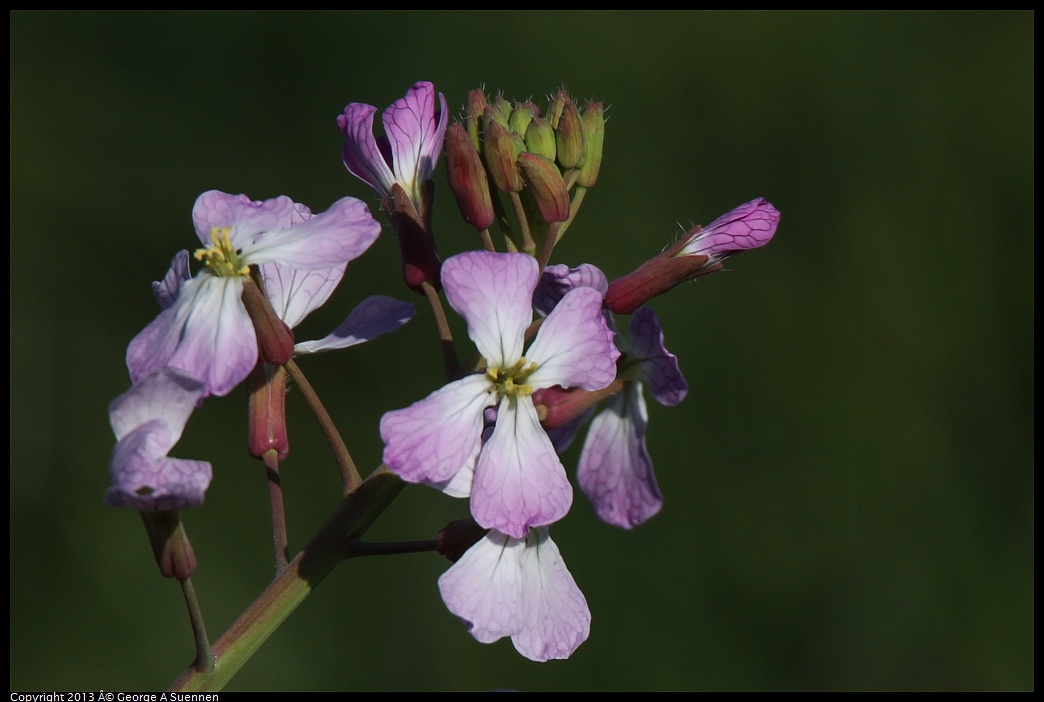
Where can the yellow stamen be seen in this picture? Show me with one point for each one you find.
(221, 257)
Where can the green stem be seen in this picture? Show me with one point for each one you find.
(354, 548)
(449, 353)
(275, 498)
(355, 513)
(528, 245)
(349, 473)
(204, 662)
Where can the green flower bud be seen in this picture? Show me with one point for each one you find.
(521, 117)
(501, 152)
(545, 182)
(540, 138)
(476, 108)
(467, 179)
(594, 134)
(554, 110)
(569, 136)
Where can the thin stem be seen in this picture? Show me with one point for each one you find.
(528, 245)
(349, 473)
(449, 354)
(574, 207)
(353, 516)
(275, 497)
(549, 244)
(353, 548)
(487, 241)
(204, 662)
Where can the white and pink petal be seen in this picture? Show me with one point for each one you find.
(574, 347)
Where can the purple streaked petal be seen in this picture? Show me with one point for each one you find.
(556, 616)
(145, 479)
(416, 129)
(206, 332)
(326, 240)
(169, 395)
(615, 471)
(374, 316)
(574, 347)
(494, 294)
(297, 293)
(433, 439)
(247, 218)
(748, 226)
(558, 279)
(519, 480)
(658, 366)
(484, 588)
(166, 290)
(362, 156)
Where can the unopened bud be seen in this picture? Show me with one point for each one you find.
(266, 412)
(540, 138)
(457, 537)
(594, 135)
(501, 152)
(569, 136)
(274, 339)
(554, 109)
(544, 181)
(475, 109)
(467, 179)
(521, 116)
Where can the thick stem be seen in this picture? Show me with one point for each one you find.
(353, 548)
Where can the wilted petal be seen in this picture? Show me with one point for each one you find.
(484, 587)
(416, 129)
(494, 294)
(374, 316)
(559, 279)
(615, 471)
(658, 366)
(206, 332)
(247, 218)
(556, 618)
(326, 240)
(574, 347)
(519, 480)
(167, 290)
(433, 439)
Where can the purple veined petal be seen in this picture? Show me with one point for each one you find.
(748, 226)
(143, 478)
(433, 439)
(247, 218)
(562, 437)
(416, 130)
(295, 294)
(362, 156)
(166, 290)
(485, 589)
(615, 471)
(574, 347)
(556, 616)
(559, 279)
(658, 366)
(494, 294)
(519, 480)
(169, 395)
(206, 332)
(374, 316)
(327, 240)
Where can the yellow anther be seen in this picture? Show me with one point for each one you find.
(221, 257)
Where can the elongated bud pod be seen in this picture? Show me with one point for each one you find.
(544, 180)
(501, 151)
(540, 138)
(476, 108)
(275, 340)
(170, 544)
(266, 412)
(594, 135)
(569, 137)
(467, 179)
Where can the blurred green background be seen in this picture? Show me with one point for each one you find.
(849, 484)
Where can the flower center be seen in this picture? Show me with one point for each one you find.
(512, 381)
(221, 257)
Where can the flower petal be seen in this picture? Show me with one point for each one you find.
(362, 157)
(615, 471)
(435, 438)
(145, 479)
(206, 332)
(374, 316)
(519, 480)
(748, 226)
(558, 279)
(556, 617)
(327, 240)
(659, 366)
(574, 347)
(297, 293)
(494, 294)
(484, 587)
(416, 129)
(166, 290)
(247, 218)
(168, 395)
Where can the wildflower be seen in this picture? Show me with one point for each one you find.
(148, 420)
(205, 328)
(515, 479)
(699, 252)
(518, 587)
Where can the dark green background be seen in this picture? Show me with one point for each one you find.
(849, 484)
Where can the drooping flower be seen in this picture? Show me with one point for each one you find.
(205, 328)
(518, 587)
(515, 479)
(414, 129)
(148, 420)
(701, 251)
